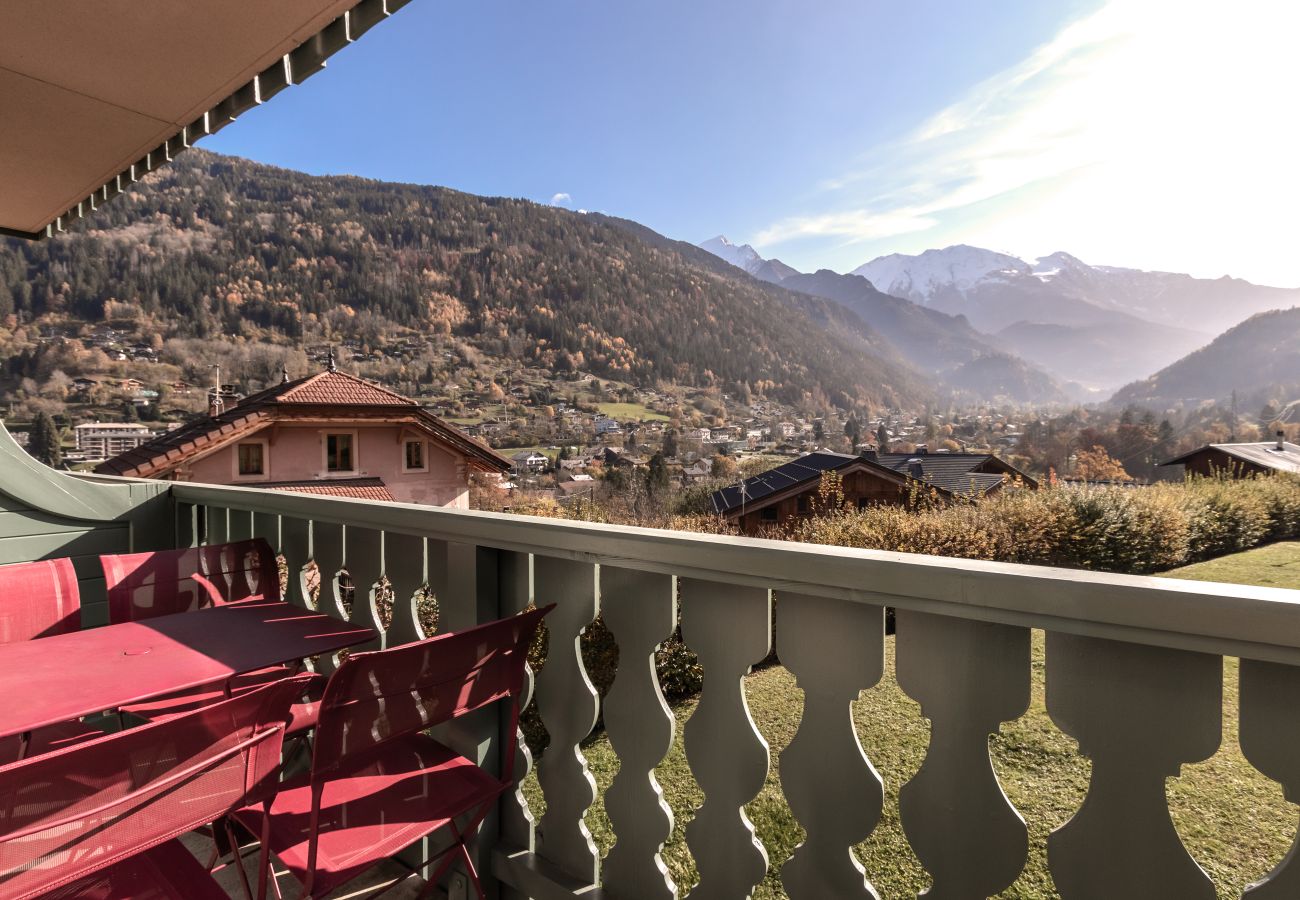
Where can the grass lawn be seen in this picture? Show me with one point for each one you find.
(637, 411)
(1277, 565)
(1233, 820)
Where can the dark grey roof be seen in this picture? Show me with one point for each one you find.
(796, 471)
(956, 473)
(1264, 453)
(952, 473)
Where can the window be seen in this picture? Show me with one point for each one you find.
(803, 504)
(414, 460)
(768, 514)
(252, 459)
(338, 453)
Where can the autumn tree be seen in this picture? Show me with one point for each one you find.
(723, 467)
(1098, 465)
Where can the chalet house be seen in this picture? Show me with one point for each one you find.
(1241, 460)
(528, 461)
(329, 433)
(790, 490)
(697, 471)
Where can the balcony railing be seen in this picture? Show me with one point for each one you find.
(1134, 674)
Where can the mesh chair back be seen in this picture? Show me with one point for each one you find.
(38, 599)
(144, 585)
(375, 697)
(66, 814)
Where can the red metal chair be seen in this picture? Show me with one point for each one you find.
(377, 784)
(99, 819)
(160, 583)
(40, 599)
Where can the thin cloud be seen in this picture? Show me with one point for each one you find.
(1156, 134)
(561, 199)
(1012, 130)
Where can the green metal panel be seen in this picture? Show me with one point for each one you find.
(9, 504)
(46, 514)
(78, 545)
(30, 522)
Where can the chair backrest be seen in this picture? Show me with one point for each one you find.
(375, 697)
(144, 585)
(72, 812)
(38, 599)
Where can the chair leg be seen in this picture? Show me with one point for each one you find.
(237, 858)
(473, 873)
(448, 857)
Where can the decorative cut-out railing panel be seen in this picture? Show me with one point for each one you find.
(1133, 674)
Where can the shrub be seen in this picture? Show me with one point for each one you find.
(1224, 516)
(1112, 529)
(1124, 530)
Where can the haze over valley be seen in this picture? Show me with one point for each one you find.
(1094, 328)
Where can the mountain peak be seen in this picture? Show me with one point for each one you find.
(919, 277)
(740, 255)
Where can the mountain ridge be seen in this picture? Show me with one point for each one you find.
(1258, 358)
(217, 245)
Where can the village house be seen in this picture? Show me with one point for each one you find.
(697, 471)
(529, 461)
(329, 433)
(1241, 460)
(790, 489)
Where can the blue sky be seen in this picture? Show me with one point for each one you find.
(1129, 132)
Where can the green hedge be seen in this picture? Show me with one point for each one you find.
(1135, 530)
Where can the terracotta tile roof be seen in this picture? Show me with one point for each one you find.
(335, 391)
(340, 388)
(357, 488)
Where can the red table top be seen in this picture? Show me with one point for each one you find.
(60, 678)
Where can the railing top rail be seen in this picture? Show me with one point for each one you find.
(1230, 619)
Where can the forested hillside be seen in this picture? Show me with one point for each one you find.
(215, 245)
(1258, 359)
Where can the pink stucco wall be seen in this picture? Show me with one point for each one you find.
(298, 454)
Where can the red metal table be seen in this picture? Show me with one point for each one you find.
(61, 678)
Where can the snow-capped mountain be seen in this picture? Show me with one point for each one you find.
(996, 290)
(921, 277)
(742, 256)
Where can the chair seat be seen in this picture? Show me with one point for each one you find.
(166, 872)
(171, 705)
(44, 740)
(384, 802)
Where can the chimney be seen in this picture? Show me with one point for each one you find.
(868, 453)
(915, 469)
(1280, 444)
(922, 449)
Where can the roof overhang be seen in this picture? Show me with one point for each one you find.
(93, 96)
(856, 464)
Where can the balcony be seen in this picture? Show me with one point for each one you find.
(1134, 673)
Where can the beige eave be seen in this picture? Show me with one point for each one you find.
(96, 93)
